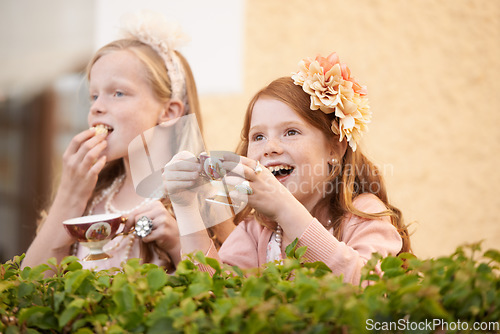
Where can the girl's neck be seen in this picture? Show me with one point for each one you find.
(311, 201)
(126, 197)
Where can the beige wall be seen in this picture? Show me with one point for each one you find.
(432, 71)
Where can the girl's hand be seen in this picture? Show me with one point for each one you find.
(82, 162)
(181, 174)
(268, 196)
(164, 231)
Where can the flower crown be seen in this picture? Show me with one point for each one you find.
(333, 90)
(164, 37)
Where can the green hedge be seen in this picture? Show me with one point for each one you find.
(460, 290)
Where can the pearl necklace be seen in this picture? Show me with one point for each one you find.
(278, 236)
(115, 187)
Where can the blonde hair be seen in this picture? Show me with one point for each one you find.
(159, 79)
(356, 171)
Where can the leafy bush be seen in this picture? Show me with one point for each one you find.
(293, 297)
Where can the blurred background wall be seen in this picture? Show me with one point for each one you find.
(431, 68)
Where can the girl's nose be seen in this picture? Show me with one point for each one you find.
(273, 146)
(97, 106)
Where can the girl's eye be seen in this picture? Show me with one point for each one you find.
(257, 137)
(291, 132)
(93, 97)
(119, 94)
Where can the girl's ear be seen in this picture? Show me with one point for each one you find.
(338, 149)
(173, 109)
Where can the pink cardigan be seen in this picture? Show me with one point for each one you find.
(246, 247)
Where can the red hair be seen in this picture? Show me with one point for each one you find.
(356, 176)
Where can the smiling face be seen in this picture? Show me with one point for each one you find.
(122, 99)
(295, 151)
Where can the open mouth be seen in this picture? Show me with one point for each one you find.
(281, 170)
(102, 129)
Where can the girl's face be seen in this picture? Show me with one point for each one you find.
(122, 98)
(296, 152)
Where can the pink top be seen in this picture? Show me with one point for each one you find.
(246, 247)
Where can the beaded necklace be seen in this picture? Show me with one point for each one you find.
(274, 246)
(279, 236)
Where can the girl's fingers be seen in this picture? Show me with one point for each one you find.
(88, 145)
(98, 166)
(164, 225)
(181, 173)
(238, 197)
(174, 187)
(181, 166)
(180, 176)
(233, 180)
(77, 140)
(241, 169)
(148, 210)
(93, 155)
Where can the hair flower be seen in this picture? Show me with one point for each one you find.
(333, 90)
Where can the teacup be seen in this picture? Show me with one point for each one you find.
(94, 232)
(212, 166)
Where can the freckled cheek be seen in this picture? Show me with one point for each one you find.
(253, 151)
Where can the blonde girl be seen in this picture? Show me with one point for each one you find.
(135, 83)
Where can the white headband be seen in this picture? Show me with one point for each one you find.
(164, 37)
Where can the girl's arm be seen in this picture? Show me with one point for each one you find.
(82, 163)
(361, 238)
(180, 176)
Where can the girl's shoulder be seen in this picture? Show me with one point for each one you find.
(376, 228)
(369, 203)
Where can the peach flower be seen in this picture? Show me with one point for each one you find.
(333, 90)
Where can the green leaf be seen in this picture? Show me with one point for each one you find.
(214, 264)
(318, 266)
(238, 271)
(299, 253)
(25, 289)
(67, 315)
(74, 280)
(115, 329)
(200, 257)
(119, 281)
(162, 326)
(188, 306)
(124, 299)
(36, 272)
(290, 249)
(104, 280)
(254, 287)
(71, 263)
(41, 316)
(157, 278)
(392, 267)
(77, 303)
(12, 330)
(84, 331)
(32, 331)
(59, 297)
(493, 254)
(53, 262)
